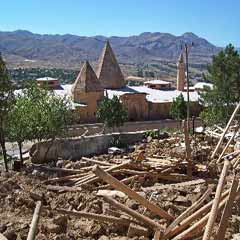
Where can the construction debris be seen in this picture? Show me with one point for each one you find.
(180, 187)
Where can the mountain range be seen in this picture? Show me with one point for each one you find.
(69, 50)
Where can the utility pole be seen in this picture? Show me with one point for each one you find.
(187, 51)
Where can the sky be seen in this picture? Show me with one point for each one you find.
(216, 20)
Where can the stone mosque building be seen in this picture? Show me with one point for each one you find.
(151, 101)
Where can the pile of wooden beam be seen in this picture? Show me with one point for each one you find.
(199, 221)
(127, 170)
(190, 224)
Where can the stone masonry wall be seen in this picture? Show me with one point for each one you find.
(74, 149)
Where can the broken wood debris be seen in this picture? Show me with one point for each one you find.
(33, 228)
(227, 209)
(216, 202)
(149, 222)
(150, 192)
(97, 217)
(124, 188)
(225, 130)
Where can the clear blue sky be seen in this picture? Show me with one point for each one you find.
(216, 20)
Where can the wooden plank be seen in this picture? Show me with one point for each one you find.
(89, 168)
(63, 188)
(97, 217)
(66, 178)
(55, 169)
(132, 194)
(226, 147)
(191, 209)
(125, 180)
(157, 235)
(177, 185)
(197, 227)
(216, 202)
(188, 148)
(147, 221)
(235, 162)
(184, 224)
(33, 227)
(225, 131)
(97, 162)
(133, 172)
(227, 210)
(175, 177)
(92, 178)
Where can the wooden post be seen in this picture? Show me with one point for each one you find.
(91, 177)
(227, 210)
(198, 226)
(96, 161)
(147, 221)
(188, 148)
(226, 147)
(157, 235)
(97, 217)
(125, 180)
(217, 199)
(183, 225)
(33, 228)
(225, 131)
(132, 194)
(193, 125)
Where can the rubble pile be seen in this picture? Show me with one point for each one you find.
(147, 193)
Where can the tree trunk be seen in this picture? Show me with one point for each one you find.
(20, 151)
(2, 142)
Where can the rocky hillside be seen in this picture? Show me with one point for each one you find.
(66, 50)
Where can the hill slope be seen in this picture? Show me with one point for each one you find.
(68, 50)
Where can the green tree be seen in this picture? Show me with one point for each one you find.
(112, 112)
(18, 128)
(178, 109)
(38, 114)
(224, 73)
(140, 72)
(6, 99)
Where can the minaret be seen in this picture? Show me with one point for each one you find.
(109, 72)
(180, 73)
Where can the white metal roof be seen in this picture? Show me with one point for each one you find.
(47, 79)
(201, 85)
(157, 81)
(153, 95)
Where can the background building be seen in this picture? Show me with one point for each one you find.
(151, 101)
